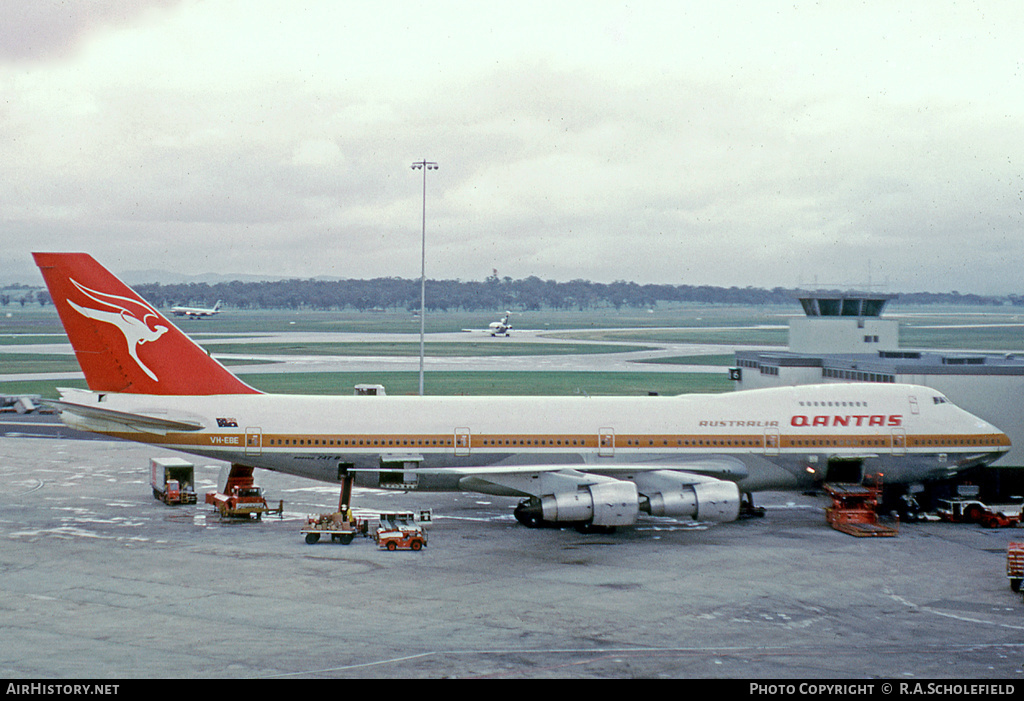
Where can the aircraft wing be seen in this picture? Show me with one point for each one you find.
(614, 495)
(538, 480)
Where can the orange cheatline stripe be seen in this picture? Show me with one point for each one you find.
(622, 441)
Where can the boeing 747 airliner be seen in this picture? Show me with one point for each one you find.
(591, 462)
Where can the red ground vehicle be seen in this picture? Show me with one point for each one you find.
(963, 510)
(172, 480)
(240, 497)
(399, 531)
(999, 519)
(853, 510)
(1015, 565)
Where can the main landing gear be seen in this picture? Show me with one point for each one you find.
(747, 508)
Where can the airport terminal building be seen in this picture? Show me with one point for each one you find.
(842, 338)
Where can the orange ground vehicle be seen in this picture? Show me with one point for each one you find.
(1015, 565)
(399, 531)
(999, 519)
(966, 510)
(240, 497)
(853, 510)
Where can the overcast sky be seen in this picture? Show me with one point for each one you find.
(725, 143)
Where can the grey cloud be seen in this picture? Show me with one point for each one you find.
(38, 30)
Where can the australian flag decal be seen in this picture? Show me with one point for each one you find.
(226, 423)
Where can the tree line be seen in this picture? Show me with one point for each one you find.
(491, 294)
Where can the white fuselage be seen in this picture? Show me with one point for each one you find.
(761, 439)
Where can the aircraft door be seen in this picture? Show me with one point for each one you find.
(253, 441)
(850, 471)
(462, 442)
(771, 442)
(899, 441)
(606, 442)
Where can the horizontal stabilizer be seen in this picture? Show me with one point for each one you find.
(95, 418)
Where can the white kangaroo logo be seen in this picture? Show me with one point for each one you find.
(136, 331)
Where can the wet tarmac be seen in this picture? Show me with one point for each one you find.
(99, 580)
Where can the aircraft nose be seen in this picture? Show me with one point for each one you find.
(1000, 442)
(999, 436)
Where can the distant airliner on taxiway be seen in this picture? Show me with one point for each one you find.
(196, 312)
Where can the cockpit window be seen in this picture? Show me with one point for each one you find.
(939, 400)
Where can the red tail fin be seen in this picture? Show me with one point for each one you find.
(122, 343)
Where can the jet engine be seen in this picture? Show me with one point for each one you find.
(604, 504)
(669, 493)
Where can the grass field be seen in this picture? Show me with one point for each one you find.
(715, 360)
(34, 320)
(966, 328)
(453, 383)
(412, 348)
(11, 363)
(496, 383)
(740, 335)
(997, 338)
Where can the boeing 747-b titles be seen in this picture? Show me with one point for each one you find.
(591, 462)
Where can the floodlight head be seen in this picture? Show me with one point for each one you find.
(416, 166)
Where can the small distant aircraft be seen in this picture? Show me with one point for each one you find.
(500, 328)
(196, 312)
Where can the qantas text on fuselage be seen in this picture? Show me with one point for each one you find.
(854, 420)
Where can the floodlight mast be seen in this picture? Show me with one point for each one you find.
(424, 166)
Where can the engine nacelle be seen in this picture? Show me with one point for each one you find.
(603, 504)
(716, 500)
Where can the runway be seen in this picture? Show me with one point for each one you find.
(99, 580)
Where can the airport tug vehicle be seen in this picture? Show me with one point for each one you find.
(398, 530)
(965, 510)
(1000, 519)
(1015, 565)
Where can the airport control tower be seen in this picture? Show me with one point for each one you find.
(841, 338)
(845, 322)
